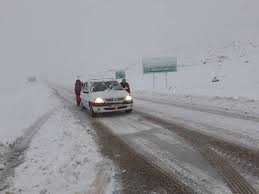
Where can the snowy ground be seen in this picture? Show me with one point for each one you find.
(243, 107)
(220, 119)
(62, 156)
(234, 63)
(228, 109)
(20, 107)
(63, 146)
(230, 128)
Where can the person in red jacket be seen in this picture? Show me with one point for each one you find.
(125, 85)
(78, 87)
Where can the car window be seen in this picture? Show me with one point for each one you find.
(86, 87)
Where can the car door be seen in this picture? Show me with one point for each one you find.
(85, 95)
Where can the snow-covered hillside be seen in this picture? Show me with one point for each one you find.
(236, 66)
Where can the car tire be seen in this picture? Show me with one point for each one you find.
(91, 111)
(128, 111)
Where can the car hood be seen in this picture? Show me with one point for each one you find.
(109, 94)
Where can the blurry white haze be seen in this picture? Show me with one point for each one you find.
(59, 39)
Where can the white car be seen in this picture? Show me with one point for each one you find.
(100, 96)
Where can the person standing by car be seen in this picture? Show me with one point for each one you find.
(125, 85)
(78, 87)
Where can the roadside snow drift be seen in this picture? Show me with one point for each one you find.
(20, 107)
(62, 158)
(45, 149)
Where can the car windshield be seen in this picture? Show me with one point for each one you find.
(98, 87)
(107, 85)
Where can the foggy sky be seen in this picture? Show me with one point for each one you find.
(62, 38)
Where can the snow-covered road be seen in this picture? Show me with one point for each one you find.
(196, 148)
(136, 176)
(168, 152)
(235, 135)
(180, 158)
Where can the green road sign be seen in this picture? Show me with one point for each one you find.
(158, 65)
(120, 75)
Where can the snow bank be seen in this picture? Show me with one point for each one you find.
(240, 105)
(63, 158)
(21, 105)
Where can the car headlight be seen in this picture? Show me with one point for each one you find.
(128, 98)
(99, 100)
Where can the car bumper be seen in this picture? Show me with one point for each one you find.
(102, 108)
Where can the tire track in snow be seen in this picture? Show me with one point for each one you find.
(203, 143)
(236, 182)
(15, 155)
(203, 109)
(103, 178)
(170, 183)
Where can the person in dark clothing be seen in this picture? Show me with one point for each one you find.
(125, 85)
(78, 87)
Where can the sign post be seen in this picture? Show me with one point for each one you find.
(166, 83)
(153, 80)
(159, 65)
